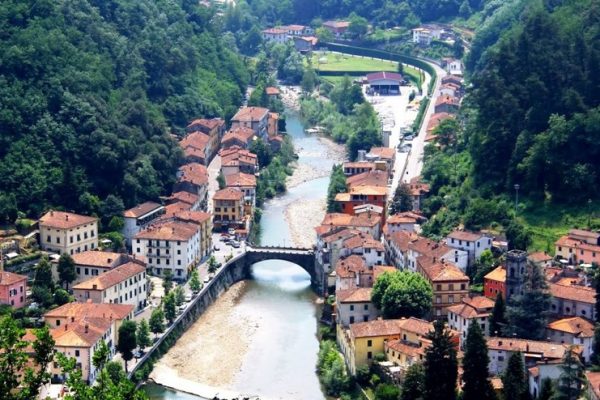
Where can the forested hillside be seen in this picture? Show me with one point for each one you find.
(90, 91)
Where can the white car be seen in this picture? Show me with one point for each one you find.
(206, 279)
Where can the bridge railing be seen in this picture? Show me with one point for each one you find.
(281, 248)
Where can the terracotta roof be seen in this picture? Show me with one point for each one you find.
(428, 247)
(274, 31)
(476, 307)
(546, 349)
(65, 220)
(452, 78)
(82, 311)
(351, 221)
(447, 100)
(363, 240)
(358, 295)
(498, 274)
(195, 140)
(197, 217)
(418, 188)
(408, 217)
(242, 134)
(593, 379)
(577, 326)
(195, 173)
(440, 271)
(351, 266)
(184, 197)
(368, 178)
(272, 91)
(404, 348)
(240, 180)
(337, 233)
(141, 209)
(465, 235)
(81, 333)
(359, 164)
(385, 153)
(94, 258)
(377, 76)
(401, 239)
(112, 277)
(336, 24)
(293, 27)
(416, 325)
(539, 257)
(250, 114)
(171, 230)
(209, 124)
(574, 293)
(228, 194)
(9, 278)
(389, 327)
(583, 233)
(176, 207)
(379, 270)
(574, 243)
(234, 156)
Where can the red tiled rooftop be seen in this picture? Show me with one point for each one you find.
(141, 209)
(228, 194)
(65, 220)
(250, 114)
(10, 278)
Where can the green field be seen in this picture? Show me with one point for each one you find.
(547, 222)
(337, 62)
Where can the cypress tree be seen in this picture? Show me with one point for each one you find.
(571, 380)
(498, 317)
(514, 379)
(441, 366)
(477, 385)
(596, 346)
(547, 390)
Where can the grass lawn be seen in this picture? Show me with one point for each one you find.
(547, 222)
(341, 63)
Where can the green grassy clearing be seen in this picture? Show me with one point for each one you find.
(547, 221)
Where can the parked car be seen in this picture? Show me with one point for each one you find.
(206, 279)
(409, 138)
(188, 297)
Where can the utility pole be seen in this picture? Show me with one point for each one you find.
(517, 187)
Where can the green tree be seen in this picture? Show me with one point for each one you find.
(116, 223)
(157, 321)
(167, 281)
(170, 308)
(61, 297)
(527, 314)
(518, 236)
(571, 381)
(441, 365)
(213, 265)
(413, 387)
(195, 284)
(324, 35)
(477, 385)
(21, 380)
(179, 294)
(8, 208)
(66, 270)
(221, 180)
(359, 26)
(143, 335)
(514, 380)
(402, 200)
(498, 318)
(447, 132)
(337, 184)
(127, 340)
(385, 391)
(402, 294)
(547, 390)
(309, 80)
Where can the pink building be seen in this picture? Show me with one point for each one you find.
(12, 289)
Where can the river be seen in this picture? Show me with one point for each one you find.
(278, 309)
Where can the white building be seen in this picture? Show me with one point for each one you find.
(126, 284)
(572, 301)
(406, 221)
(471, 242)
(138, 217)
(276, 35)
(170, 245)
(461, 316)
(354, 305)
(426, 247)
(425, 34)
(364, 245)
(89, 264)
(67, 233)
(574, 330)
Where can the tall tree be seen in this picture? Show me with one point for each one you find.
(498, 318)
(195, 284)
(167, 281)
(441, 365)
(337, 184)
(179, 294)
(402, 294)
(514, 379)
(527, 314)
(127, 340)
(402, 200)
(413, 387)
(547, 391)
(22, 376)
(170, 308)
(66, 270)
(477, 385)
(157, 321)
(571, 380)
(43, 274)
(142, 335)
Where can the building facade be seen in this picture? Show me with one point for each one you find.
(67, 233)
(13, 289)
(137, 218)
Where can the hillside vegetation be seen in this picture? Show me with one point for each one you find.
(91, 90)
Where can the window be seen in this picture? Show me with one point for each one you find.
(48, 239)
(369, 355)
(464, 287)
(450, 299)
(451, 286)
(366, 307)
(500, 358)
(352, 319)
(76, 353)
(438, 299)
(58, 322)
(86, 271)
(369, 343)
(71, 239)
(438, 287)
(365, 318)
(351, 307)
(58, 239)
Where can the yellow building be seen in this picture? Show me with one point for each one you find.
(68, 233)
(362, 341)
(228, 208)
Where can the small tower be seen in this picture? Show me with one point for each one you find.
(516, 270)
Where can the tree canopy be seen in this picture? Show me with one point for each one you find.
(402, 294)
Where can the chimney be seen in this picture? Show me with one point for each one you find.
(434, 259)
(72, 319)
(66, 327)
(67, 217)
(109, 260)
(86, 328)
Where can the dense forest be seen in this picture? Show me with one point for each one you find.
(531, 118)
(91, 91)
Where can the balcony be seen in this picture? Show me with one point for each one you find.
(160, 245)
(154, 255)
